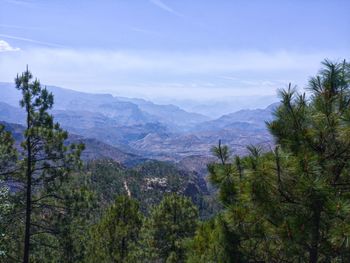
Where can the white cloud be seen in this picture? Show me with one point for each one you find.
(6, 47)
(173, 62)
(166, 74)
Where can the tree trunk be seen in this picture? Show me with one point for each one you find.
(123, 245)
(28, 196)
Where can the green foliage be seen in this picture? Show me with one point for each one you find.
(312, 170)
(148, 183)
(214, 241)
(115, 237)
(221, 152)
(106, 178)
(73, 222)
(291, 204)
(45, 162)
(8, 153)
(5, 208)
(168, 228)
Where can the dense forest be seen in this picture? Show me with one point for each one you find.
(289, 203)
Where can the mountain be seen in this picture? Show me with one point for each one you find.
(237, 130)
(171, 115)
(142, 128)
(113, 171)
(11, 114)
(243, 119)
(216, 107)
(94, 149)
(91, 125)
(113, 120)
(126, 112)
(181, 146)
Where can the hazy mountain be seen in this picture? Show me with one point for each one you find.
(237, 130)
(216, 107)
(115, 121)
(126, 112)
(11, 114)
(94, 149)
(142, 128)
(243, 119)
(171, 115)
(179, 146)
(91, 125)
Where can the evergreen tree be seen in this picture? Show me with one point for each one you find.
(167, 229)
(311, 167)
(75, 219)
(237, 232)
(292, 204)
(46, 159)
(214, 241)
(115, 237)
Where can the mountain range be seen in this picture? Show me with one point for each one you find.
(130, 129)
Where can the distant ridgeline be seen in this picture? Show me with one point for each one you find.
(163, 132)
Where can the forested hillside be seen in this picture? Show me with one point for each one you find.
(68, 198)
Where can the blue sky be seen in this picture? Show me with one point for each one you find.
(181, 49)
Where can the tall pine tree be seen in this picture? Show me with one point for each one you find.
(46, 159)
(115, 237)
(167, 229)
(312, 167)
(291, 204)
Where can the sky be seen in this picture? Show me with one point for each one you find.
(196, 50)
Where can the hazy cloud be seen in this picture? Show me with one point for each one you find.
(195, 75)
(31, 40)
(6, 47)
(165, 7)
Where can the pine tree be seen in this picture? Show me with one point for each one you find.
(167, 229)
(74, 221)
(236, 235)
(214, 241)
(291, 204)
(115, 237)
(312, 165)
(46, 159)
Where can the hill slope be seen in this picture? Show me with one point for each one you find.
(94, 149)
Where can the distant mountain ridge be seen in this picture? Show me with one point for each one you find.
(244, 118)
(142, 128)
(126, 111)
(94, 149)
